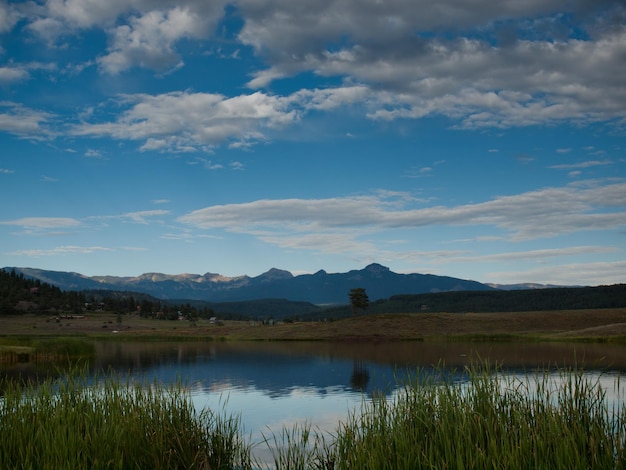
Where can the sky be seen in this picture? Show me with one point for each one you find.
(484, 140)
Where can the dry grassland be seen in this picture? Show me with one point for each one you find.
(604, 324)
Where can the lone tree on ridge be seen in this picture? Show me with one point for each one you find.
(358, 299)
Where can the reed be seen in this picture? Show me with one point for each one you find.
(112, 423)
(490, 422)
(432, 421)
(51, 350)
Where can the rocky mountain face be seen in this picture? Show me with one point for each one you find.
(319, 288)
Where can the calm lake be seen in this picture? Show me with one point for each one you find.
(275, 384)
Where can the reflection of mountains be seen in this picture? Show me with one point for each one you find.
(279, 368)
(214, 367)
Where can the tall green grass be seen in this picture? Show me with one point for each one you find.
(51, 350)
(490, 422)
(114, 424)
(432, 422)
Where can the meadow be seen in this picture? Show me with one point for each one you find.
(594, 325)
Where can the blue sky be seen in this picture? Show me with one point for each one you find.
(483, 140)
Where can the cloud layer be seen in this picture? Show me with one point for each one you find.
(481, 65)
(537, 214)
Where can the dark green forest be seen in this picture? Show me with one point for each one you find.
(562, 298)
(19, 295)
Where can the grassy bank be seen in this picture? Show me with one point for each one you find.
(488, 423)
(45, 349)
(431, 423)
(112, 423)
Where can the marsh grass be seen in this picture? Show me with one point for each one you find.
(114, 423)
(52, 350)
(432, 421)
(489, 422)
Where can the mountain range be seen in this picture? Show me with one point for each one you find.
(319, 288)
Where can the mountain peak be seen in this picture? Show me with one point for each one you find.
(376, 268)
(275, 274)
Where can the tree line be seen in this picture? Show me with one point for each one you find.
(19, 294)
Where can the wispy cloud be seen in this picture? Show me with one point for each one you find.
(60, 250)
(536, 254)
(537, 214)
(43, 222)
(594, 273)
(587, 164)
(18, 119)
(142, 217)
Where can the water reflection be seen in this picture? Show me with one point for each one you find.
(282, 364)
(276, 384)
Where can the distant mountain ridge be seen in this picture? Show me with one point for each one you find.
(319, 288)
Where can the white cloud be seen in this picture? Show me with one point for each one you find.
(148, 41)
(12, 74)
(141, 217)
(9, 15)
(141, 32)
(536, 214)
(60, 250)
(486, 82)
(400, 59)
(43, 222)
(587, 164)
(92, 153)
(181, 121)
(530, 255)
(592, 274)
(23, 121)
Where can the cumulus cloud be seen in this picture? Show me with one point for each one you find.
(148, 41)
(24, 121)
(481, 64)
(141, 33)
(9, 15)
(451, 59)
(184, 121)
(11, 74)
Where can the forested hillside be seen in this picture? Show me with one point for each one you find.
(19, 295)
(574, 298)
(562, 298)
